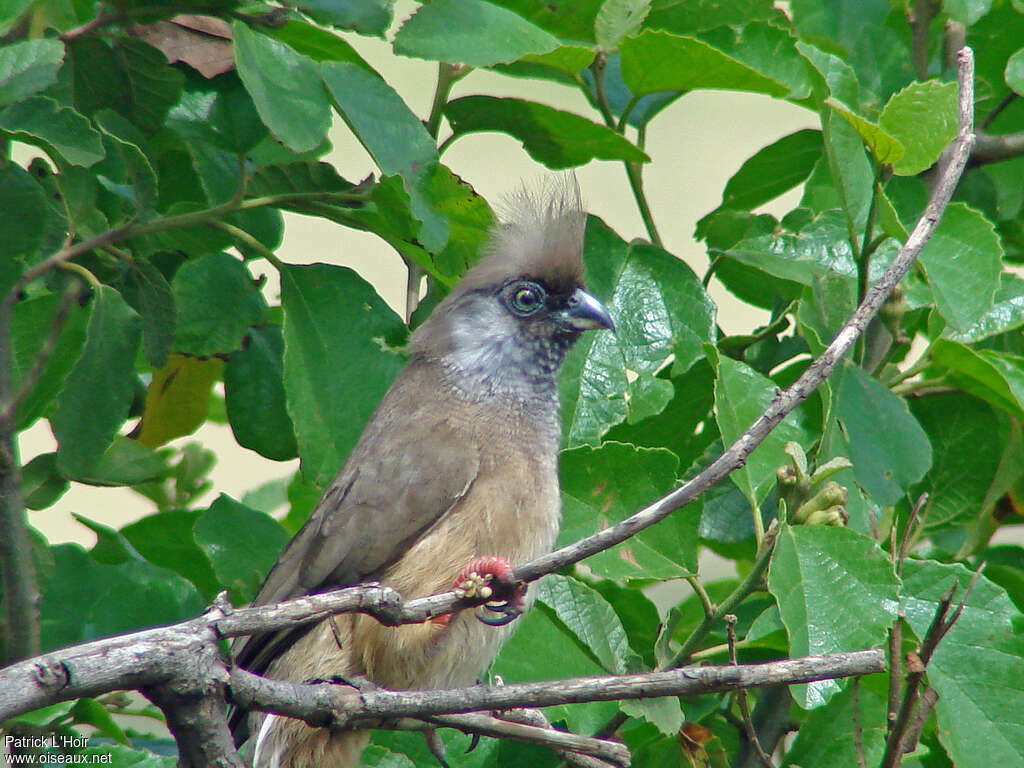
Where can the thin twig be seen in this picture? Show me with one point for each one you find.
(858, 732)
(895, 670)
(741, 697)
(909, 532)
(702, 595)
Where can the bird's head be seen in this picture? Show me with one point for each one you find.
(509, 322)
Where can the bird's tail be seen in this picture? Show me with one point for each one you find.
(283, 742)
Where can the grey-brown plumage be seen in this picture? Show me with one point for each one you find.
(459, 461)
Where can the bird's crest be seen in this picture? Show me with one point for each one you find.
(540, 235)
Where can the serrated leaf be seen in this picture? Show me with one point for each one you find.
(285, 87)
(41, 483)
(886, 149)
(963, 261)
(151, 87)
(741, 395)
(114, 598)
(148, 292)
(60, 129)
(99, 389)
(556, 138)
(368, 17)
(473, 32)
(601, 486)
(125, 462)
(125, 170)
(660, 61)
(968, 444)
(618, 18)
(1006, 314)
(23, 226)
(773, 170)
(977, 669)
(591, 619)
(220, 113)
(241, 544)
(836, 591)
(995, 377)
(865, 409)
(208, 327)
(660, 309)
(337, 364)
(255, 398)
(178, 398)
(31, 323)
(166, 539)
(764, 47)
(27, 67)
(392, 134)
(923, 118)
(1014, 73)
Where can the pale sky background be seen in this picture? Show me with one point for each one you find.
(696, 144)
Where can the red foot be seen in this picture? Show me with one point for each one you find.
(485, 578)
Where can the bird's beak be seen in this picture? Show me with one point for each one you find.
(585, 313)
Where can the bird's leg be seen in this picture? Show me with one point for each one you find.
(436, 746)
(490, 578)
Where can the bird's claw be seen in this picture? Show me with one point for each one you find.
(486, 577)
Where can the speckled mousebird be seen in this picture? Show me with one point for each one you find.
(453, 481)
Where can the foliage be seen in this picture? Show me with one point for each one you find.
(128, 240)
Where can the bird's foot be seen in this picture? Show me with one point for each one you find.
(489, 578)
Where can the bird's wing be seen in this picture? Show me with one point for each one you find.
(410, 467)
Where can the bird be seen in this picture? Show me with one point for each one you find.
(453, 481)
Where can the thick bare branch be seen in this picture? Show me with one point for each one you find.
(345, 706)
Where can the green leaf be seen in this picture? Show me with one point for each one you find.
(993, 376)
(285, 87)
(337, 360)
(55, 128)
(125, 170)
(166, 539)
(1015, 72)
(151, 87)
(31, 324)
(601, 486)
(618, 18)
(218, 112)
(24, 203)
(1006, 314)
(241, 544)
(551, 136)
(660, 61)
(124, 462)
(836, 591)
(923, 118)
(766, 48)
(93, 713)
(543, 648)
(886, 149)
(741, 395)
(827, 736)
(255, 398)
(660, 308)
(967, 12)
(208, 327)
(968, 444)
(27, 67)
(473, 32)
(865, 409)
(773, 170)
(147, 292)
(98, 391)
(41, 483)
(111, 598)
(368, 17)
(977, 669)
(591, 619)
(820, 250)
(395, 138)
(178, 399)
(963, 260)
(317, 43)
(688, 16)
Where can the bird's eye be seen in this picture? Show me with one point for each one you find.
(525, 298)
